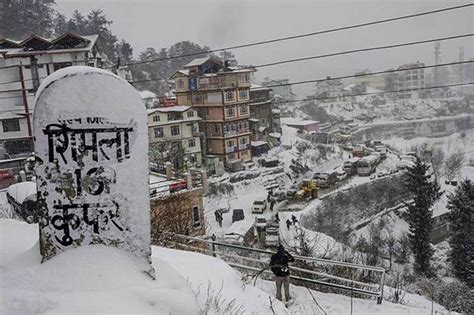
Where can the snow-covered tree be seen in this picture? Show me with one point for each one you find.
(453, 164)
(425, 193)
(461, 229)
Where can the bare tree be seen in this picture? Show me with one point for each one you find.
(391, 242)
(437, 160)
(172, 214)
(453, 164)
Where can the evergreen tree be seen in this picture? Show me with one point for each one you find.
(419, 215)
(461, 230)
(19, 18)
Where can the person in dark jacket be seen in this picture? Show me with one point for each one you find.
(288, 223)
(279, 266)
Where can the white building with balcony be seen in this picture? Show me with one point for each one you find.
(174, 137)
(23, 66)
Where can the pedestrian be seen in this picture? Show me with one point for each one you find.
(269, 195)
(288, 223)
(216, 214)
(281, 270)
(294, 219)
(272, 204)
(277, 218)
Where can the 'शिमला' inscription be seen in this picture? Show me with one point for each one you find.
(92, 167)
(76, 148)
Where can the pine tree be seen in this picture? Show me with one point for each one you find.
(425, 193)
(461, 205)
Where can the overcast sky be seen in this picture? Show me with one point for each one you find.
(222, 23)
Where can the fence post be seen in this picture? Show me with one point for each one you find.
(213, 237)
(382, 281)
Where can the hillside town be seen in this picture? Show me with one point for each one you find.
(196, 175)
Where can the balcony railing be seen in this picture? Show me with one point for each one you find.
(230, 149)
(244, 146)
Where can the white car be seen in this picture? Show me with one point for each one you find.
(272, 236)
(341, 175)
(259, 206)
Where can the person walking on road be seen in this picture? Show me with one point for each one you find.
(272, 204)
(288, 223)
(294, 219)
(281, 270)
(277, 218)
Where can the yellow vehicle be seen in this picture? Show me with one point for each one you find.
(308, 189)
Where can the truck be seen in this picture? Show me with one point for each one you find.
(327, 179)
(308, 189)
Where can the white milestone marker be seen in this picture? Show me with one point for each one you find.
(91, 144)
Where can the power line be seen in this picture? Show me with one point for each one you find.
(364, 49)
(320, 80)
(382, 92)
(264, 42)
(315, 57)
(363, 94)
(370, 74)
(341, 77)
(341, 53)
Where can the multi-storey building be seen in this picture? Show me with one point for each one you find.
(23, 65)
(261, 121)
(221, 96)
(411, 78)
(174, 137)
(330, 90)
(368, 79)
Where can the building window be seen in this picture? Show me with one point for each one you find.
(158, 132)
(244, 78)
(230, 143)
(230, 111)
(156, 118)
(175, 130)
(229, 96)
(191, 143)
(243, 141)
(180, 84)
(231, 156)
(244, 153)
(243, 95)
(196, 217)
(190, 113)
(174, 116)
(244, 110)
(11, 125)
(61, 65)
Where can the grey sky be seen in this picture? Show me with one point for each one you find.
(158, 24)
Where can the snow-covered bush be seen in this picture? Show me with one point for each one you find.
(217, 188)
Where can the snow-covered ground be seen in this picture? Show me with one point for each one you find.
(97, 279)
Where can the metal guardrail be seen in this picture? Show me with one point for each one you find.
(363, 288)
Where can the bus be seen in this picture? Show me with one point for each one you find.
(350, 166)
(367, 165)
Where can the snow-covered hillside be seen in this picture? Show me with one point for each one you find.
(97, 279)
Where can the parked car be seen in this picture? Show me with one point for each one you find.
(327, 179)
(259, 206)
(260, 222)
(238, 215)
(272, 236)
(341, 175)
